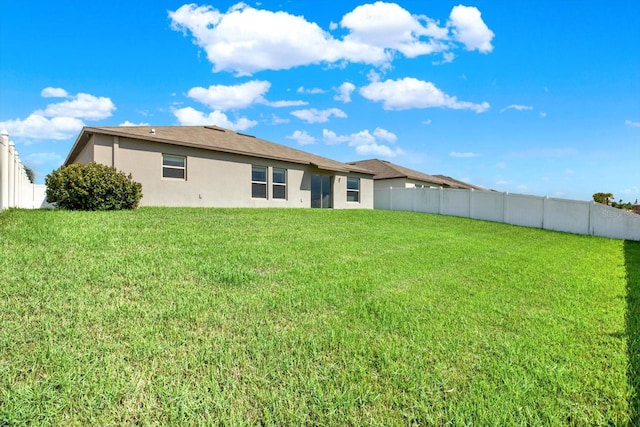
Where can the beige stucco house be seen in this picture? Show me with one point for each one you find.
(210, 166)
(390, 175)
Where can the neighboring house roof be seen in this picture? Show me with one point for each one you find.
(460, 184)
(216, 139)
(387, 170)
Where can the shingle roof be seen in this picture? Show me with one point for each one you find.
(460, 184)
(387, 170)
(216, 139)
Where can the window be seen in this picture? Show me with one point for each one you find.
(259, 182)
(279, 183)
(174, 166)
(353, 189)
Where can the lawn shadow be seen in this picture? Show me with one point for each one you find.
(632, 263)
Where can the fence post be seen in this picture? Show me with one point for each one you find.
(471, 203)
(12, 174)
(544, 211)
(413, 199)
(390, 198)
(440, 199)
(590, 222)
(18, 182)
(505, 207)
(4, 170)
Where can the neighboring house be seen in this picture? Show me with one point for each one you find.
(215, 167)
(390, 175)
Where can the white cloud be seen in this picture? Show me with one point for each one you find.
(190, 117)
(365, 142)
(312, 91)
(409, 93)
(53, 92)
(384, 135)
(281, 104)
(632, 124)
(302, 137)
(221, 97)
(377, 150)
(275, 120)
(246, 40)
(62, 120)
(81, 106)
(447, 57)
(145, 113)
(501, 165)
(384, 26)
(468, 28)
(463, 155)
(427, 122)
(37, 126)
(543, 114)
(344, 92)
(517, 107)
(128, 123)
(313, 115)
(234, 97)
(332, 138)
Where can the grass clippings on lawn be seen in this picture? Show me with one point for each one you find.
(312, 317)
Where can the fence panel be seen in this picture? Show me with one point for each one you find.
(16, 190)
(487, 205)
(616, 223)
(455, 202)
(527, 211)
(571, 216)
(566, 215)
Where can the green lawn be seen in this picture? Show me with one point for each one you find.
(312, 317)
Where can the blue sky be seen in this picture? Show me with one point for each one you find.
(534, 97)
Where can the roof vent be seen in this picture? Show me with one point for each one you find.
(152, 131)
(215, 128)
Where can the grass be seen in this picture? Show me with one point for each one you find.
(312, 317)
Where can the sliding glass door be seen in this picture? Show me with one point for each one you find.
(321, 196)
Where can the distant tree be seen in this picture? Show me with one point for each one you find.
(602, 198)
(30, 174)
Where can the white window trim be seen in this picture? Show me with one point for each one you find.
(183, 168)
(279, 184)
(353, 191)
(265, 182)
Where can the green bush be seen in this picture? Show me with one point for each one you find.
(92, 187)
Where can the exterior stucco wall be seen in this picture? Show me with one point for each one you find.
(86, 155)
(411, 183)
(213, 179)
(340, 192)
(381, 184)
(103, 149)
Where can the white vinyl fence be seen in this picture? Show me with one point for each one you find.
(16, 191)
(571, 216)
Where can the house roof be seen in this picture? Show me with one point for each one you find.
(461, 184)
(216, 139)
(387, 170)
